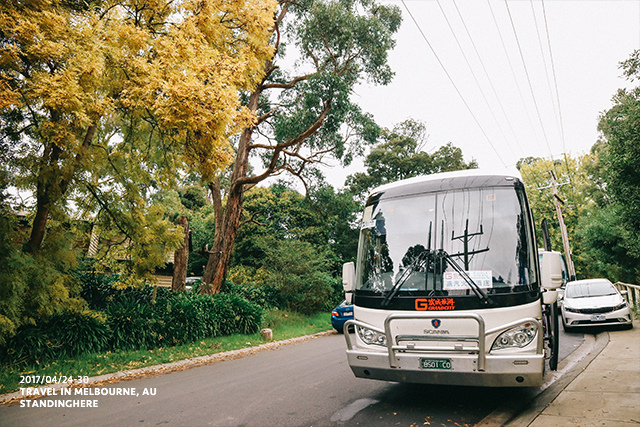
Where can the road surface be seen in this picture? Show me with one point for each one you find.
(303, 384)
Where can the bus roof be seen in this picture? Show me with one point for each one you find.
(467, 178)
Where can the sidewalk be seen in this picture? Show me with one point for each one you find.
(600, 389)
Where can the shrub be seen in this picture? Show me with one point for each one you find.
(30, 345)
(97, 289)
(300, 273)
(130, 320)
(185, 318)
(132, 325)
(78, 332)
(61, 335)
(245, 316)
(265, 296)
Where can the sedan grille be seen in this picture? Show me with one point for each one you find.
(595, 310)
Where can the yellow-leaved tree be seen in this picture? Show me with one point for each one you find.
(171, 69)
(103, 100)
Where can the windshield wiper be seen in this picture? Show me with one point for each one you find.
(416, 264)
(473, 285)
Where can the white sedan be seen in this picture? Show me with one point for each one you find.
(594, 302)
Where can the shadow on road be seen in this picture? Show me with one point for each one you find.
(423, 404)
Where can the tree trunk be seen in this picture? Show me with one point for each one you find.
(47, 194)
(227, 228)
(220, 255)
(181, 258)
(39, 225)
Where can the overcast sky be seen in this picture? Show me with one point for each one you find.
(491, 91)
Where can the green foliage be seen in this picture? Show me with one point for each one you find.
(13, 284)
(132, 325)
(34, 286)
(266, 297)
(576, 188)
(78, 332)
(621, 162)
(338, 211)
(400, 155)
(130, 319)
(610, 230)
(193, 197)
(237, 315)
(202, 225)
(305, 284)
(323, 218)
(603, 237)
(62, 335)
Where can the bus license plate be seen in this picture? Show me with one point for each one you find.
(435, 363)
(598, 317)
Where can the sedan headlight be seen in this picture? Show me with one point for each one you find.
(620, 306)
(518, 336)
(571, 309)
(369, 336)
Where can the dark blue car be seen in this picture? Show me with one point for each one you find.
(341, 314)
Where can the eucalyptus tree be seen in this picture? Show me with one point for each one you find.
(400, 154)
(576, 189)
(304, 108)
(612, 231)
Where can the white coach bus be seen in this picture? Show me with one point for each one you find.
(447, 286)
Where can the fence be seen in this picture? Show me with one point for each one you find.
(633, 293)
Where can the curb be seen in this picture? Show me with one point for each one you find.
(514, 413)
(165, 368)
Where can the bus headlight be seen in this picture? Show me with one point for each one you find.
(518, 336)
(369, 336)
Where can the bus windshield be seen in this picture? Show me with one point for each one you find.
(470, 242)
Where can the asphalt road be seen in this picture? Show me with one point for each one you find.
(303, 384)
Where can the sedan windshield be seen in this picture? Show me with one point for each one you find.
(589, 289)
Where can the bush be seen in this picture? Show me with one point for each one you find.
(99, 290)
(129, 319)
(266, 297)
(132, 325)
(78, 332)
(240, 315)
(186, 318)
(61, 335)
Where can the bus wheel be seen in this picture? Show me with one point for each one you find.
(553, 335)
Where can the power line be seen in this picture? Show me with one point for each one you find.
(533, 96)
(486, 73)
(555, 82)
(544, 62)
(452, 82)
(513, 73)
(473, 74)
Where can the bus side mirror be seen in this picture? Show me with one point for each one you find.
(551, 270)
(349, 280)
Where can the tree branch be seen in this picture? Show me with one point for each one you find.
(252, 220)
(288, 85)
(278, 148)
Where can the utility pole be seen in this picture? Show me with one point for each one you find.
(563, 229)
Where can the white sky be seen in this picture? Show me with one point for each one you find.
(588, 39)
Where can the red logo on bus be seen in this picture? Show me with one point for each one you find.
(436, 304)
(421, 304)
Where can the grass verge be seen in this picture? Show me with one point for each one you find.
(284, 324)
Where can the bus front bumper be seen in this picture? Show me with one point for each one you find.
(456, 363)
(500, 371)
